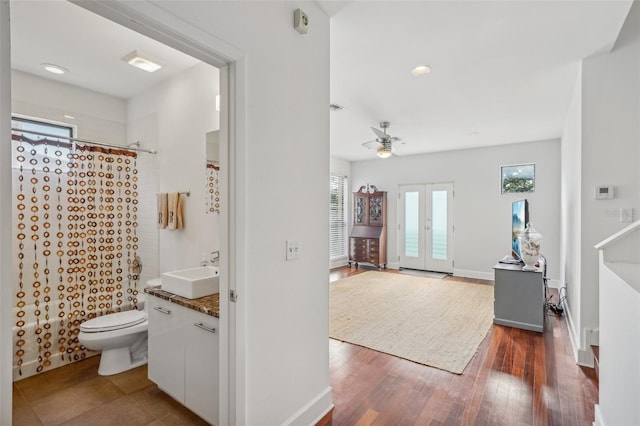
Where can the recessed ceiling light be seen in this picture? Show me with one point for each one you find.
(138, 60)
(55, 69)
(420, 70)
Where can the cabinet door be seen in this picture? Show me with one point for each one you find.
(166, 346)
(201, 369)
(376, 210)
(360, 210)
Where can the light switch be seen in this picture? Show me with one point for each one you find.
(626, 214)
(293, 249)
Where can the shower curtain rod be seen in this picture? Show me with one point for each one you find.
(129, 148)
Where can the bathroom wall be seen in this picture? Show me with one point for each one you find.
(98, 116)
(174, 118)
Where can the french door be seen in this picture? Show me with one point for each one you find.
(425, 227)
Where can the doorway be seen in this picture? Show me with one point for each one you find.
(425, 227)
(231, 65)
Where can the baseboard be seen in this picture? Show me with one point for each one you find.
(473, 274)
(314, 410)
(599, 420)
(554, 284)
(336, 263)
(583, 356)
(575, 343)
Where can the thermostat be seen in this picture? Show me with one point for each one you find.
(300, 21)
(603, 192)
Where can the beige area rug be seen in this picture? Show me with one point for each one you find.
(435, 322)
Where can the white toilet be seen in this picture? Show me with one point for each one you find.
(122, 338)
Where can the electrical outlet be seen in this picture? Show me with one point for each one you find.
(293, 249)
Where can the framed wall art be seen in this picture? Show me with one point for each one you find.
(518, 178)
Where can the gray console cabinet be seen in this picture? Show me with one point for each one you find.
(518, 297)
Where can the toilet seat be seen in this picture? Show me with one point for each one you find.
(114, 321)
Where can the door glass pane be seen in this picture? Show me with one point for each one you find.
(439, 218)
(411, 220)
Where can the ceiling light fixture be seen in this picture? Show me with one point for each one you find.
(420, 70)
(384, 151)
(55, 69)
(136, 59)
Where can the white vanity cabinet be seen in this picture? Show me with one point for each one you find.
(166, 346)
(183, 356)
(201, 368)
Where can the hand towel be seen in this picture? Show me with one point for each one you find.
(163, 213)
(180, 223)
(175, 211)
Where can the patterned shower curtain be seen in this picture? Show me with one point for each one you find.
(212, 190)
(76, 220)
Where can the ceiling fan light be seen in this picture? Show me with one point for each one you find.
(384, 152)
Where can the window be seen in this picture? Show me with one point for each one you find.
(42, 153)
(338, 217)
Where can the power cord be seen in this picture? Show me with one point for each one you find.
(556, 308)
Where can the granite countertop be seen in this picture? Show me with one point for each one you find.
(209, 305)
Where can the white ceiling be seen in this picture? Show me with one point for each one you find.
(89, 46)
(502, 72)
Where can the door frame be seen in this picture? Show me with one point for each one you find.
(149, 19)
(426, 189)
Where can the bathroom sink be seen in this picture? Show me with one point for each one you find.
(193, 282)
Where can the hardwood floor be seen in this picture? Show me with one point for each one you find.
(517, 377)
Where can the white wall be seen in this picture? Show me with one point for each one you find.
(99, 117)
(609, 133)
(482, 214)
(611, 149)
(571, 184)
(6, 206)
(174, 118)
(619, 343)
(282, 172)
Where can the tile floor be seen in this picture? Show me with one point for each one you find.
(76, 395)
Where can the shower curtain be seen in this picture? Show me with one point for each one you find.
(212, 189)
(76, 244)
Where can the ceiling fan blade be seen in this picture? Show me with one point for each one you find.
(372, 144)
(395, 139)
(380, 134)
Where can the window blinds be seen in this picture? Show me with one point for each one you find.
(337, 217)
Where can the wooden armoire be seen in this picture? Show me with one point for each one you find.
(368, 238)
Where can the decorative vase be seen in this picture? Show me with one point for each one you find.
(530, 247)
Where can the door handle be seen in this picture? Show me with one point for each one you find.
(162, 310)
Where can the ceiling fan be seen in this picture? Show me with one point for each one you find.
(383, 144)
